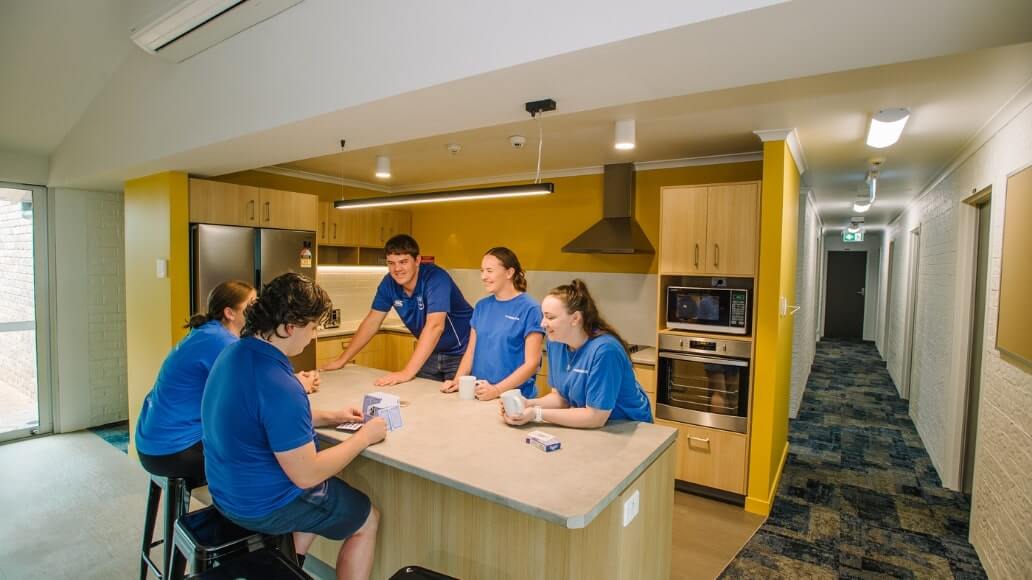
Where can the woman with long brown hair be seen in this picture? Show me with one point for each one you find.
(168, 433)
(504, 350)
(588, 365)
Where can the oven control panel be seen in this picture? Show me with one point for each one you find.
(702, 345)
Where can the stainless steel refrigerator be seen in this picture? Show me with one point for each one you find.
(221, 253)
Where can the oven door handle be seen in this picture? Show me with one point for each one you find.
(705, 359)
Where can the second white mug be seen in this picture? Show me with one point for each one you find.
(467, 386)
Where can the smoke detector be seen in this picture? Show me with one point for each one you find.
(518, 141)
(453, 148)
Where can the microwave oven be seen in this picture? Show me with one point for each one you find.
(720, 310)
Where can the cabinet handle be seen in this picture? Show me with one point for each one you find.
(323, 226)
(716, 254)
(699, 439)
(696, 254)
(268, 211)
(250, 206)
(381, 235)
(335, 231)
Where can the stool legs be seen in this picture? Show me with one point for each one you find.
(177, 498)
(153, 498)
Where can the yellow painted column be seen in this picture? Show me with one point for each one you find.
(773, 364)
(156, 228)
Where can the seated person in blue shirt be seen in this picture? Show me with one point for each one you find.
(264, 471)
(504, 349)
(168, 432)
(430, 305)
(587, 364)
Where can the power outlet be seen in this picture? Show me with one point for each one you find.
(630, 508)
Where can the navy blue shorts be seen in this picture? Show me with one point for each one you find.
(332, 509)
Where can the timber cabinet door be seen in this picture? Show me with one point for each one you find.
(682, 245)
(214, 202)
(732, 229)
(288, 210)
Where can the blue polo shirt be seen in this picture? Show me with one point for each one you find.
(598, 375)
(502, 330)
(170, 420)
(435, 291)
(253, 406)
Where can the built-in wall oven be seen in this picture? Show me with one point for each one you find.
(704, 381)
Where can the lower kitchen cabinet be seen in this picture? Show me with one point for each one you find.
(646, 376)
(710, 457)
(389, 351)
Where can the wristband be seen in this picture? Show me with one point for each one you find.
(537, 415)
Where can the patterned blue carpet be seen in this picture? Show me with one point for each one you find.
(859, 497)
(117, 434)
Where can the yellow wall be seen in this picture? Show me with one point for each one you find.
(772, 366)
(536, 228)
(156, 226)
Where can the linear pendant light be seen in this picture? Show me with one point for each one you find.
(454, 195)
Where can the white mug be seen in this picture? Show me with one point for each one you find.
(467, 386)
(513, 402)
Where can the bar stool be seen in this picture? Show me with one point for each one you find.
(205, 537)
(261, 565)
(419, 573)
(177, 503)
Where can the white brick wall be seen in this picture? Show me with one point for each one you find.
(90, 295)
(804, 334)
(1001, 516)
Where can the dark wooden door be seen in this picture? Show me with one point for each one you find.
(844, 315)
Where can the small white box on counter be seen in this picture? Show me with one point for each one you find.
(543, 441)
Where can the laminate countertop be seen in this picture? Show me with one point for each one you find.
(466, 445)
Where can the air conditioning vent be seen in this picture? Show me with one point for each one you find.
(184, 28)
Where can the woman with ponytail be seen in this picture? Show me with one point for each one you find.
(504, 349)
(168, 433)
(588, 365)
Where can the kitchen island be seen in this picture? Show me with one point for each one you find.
(460, 492)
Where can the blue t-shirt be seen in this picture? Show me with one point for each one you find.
(502, 330)
(170, 420)
(598, 375)
(435, 291)
(253, 406)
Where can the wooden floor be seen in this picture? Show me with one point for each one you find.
(707, 535)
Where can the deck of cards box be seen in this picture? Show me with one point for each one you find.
(383, 405)
(543, 441)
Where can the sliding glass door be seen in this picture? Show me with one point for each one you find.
(25, 397)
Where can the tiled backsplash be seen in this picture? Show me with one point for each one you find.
(627, 301)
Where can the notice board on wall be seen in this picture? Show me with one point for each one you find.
(1014, 333)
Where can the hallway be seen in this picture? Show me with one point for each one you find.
(859, 497)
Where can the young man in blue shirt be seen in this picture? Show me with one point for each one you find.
(430, 305)
(263, 468)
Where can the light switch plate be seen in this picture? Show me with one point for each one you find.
(162, 268)
(630, 508)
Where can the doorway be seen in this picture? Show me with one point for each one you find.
(974, 382)
(24, 322)
(847, 274)
(913, 279)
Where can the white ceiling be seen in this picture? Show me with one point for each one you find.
(699, 77)
(950, 99)
(55, 58)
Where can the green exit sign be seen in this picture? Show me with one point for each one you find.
(848, 236)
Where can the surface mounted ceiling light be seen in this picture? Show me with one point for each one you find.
(454, 195)
(886, 127)
(383, 166)
(861, 206)
(624, 135)
(853, 228)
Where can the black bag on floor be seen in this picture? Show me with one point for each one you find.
(419, 573)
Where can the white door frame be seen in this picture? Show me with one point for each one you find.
(913, 266)
(42, 282)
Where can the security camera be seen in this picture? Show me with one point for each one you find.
(454, 148)
(517, 141)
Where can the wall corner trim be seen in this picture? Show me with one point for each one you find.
(790, 136)
(762, 507)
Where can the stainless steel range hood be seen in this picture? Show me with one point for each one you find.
(618, 232)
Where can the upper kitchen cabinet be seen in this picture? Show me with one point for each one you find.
(214, 202)
(288, 210)
(365, 228)
(709, 230)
